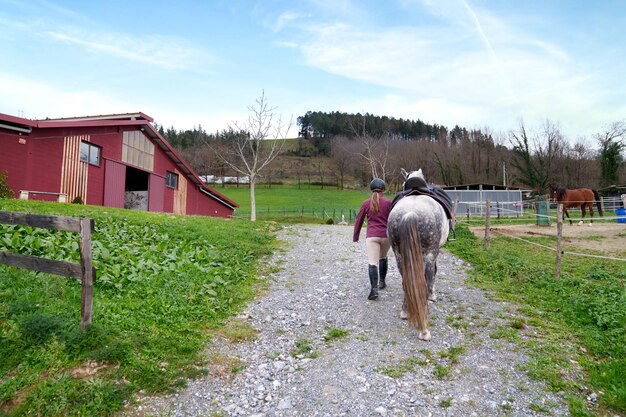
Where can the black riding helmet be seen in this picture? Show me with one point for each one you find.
(377, 184)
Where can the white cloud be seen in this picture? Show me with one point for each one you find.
(164, 52)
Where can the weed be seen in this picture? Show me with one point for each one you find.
(238, 331)
(335, 333)
(445, 403)
(400, 369)
(303, 347)
(441, 371)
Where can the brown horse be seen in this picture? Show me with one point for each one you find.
(580, 197)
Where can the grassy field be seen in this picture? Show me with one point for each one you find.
(293, 204)
(164, 284)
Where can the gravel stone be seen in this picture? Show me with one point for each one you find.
(380, 367)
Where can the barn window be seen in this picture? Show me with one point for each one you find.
(89, 153)
(138, 150)
(171, 180)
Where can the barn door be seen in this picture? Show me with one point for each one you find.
(114, 184)
(156, 193)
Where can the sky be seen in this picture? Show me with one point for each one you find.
(473, 63)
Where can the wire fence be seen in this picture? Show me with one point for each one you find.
(537, 211)
(323, 214)
(544, 217)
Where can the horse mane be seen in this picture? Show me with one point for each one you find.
(560, 192)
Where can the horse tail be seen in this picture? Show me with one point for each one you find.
(414, 279)
(596, 196)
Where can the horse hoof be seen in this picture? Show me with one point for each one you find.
(432, 298)
(403, 315)
(580, 222)
(425, 335)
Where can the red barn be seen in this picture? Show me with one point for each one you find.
(117, 160)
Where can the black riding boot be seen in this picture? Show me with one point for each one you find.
(382, 267)
(373, 271)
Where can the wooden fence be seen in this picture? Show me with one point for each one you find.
(83, 271)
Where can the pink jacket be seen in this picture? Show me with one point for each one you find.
(376, 223)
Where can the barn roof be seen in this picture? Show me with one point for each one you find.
(139, 119)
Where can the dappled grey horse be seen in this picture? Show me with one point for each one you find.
(417, 228)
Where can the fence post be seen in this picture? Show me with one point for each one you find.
(498, 209)
(559, 238)
(302, 212)
(455, 207)
(468, 211)
(86, 225)
(487, 224)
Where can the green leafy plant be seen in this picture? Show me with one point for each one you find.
(5, 191)
(164, 285)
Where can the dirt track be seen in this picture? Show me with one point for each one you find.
(607, 238)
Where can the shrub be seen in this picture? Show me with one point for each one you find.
(5, 191)
(78, 200)
(330, 221)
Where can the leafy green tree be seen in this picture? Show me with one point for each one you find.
(610, 156)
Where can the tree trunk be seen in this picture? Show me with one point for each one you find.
(252, 201)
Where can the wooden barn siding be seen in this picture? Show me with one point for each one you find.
(12, 157)
(74, 173)
(180, 195)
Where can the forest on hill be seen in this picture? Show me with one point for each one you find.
(347, 150)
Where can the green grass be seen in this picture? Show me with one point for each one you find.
(164, 285)
(580, 319)
(306, 204)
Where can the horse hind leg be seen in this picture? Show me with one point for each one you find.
(431, 271)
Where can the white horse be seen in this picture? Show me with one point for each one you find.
(417, 228)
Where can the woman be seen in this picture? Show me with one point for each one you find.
(376, 209)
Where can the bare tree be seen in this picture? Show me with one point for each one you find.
(535, 158)
(341, 157)
(250, 150)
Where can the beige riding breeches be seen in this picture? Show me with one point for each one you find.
(376, 248)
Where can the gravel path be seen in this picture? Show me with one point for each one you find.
(378, 367)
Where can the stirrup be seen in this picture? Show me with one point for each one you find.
(453, 233)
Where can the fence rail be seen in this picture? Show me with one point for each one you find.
(83, 271)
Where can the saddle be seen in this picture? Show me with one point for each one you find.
(417, 186)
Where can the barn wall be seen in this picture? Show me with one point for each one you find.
(198, 203)
(44, 162)
(13, 154)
